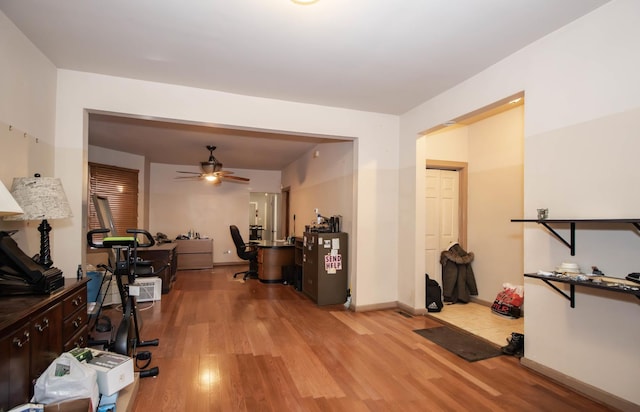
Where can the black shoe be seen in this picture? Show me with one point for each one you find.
(515, 346)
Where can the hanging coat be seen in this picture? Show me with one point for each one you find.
(458, 281)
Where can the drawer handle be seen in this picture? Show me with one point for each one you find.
(77, 322)
(43, 326)
(21, 342)
(77, 301)
(79, 342)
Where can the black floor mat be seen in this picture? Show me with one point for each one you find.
(463, 344)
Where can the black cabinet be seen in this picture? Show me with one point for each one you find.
(325, 267)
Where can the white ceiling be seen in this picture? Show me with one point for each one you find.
(383, 56)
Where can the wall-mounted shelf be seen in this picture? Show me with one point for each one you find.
(571, 244)
(606, 283)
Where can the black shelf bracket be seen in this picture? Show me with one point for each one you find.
(607, 283)
(572, 290)
(572, 243)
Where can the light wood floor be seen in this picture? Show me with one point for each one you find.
(226, 345)
(479, 320)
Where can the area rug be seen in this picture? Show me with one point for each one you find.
(465, 345)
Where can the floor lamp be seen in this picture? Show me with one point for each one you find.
(41, 198)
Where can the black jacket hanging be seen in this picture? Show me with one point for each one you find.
(458, 281)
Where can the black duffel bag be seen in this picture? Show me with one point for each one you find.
(434, 295)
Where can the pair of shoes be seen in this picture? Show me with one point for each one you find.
(515, 346)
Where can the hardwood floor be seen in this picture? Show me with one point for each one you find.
(226, 345)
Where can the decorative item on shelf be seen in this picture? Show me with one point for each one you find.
(41, 198)
(567, 267)
(543, 214)
(8, 205)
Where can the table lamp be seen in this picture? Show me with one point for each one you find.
(8, 205)
(41, 198)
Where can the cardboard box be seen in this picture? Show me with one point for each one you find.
(76, 405)
(114, 371)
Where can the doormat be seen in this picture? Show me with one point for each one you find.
(465, 345)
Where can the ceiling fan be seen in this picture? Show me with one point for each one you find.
(212, 171)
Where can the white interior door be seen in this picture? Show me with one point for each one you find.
(442, 203)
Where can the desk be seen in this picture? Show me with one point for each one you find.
(162, 255)
(272, 256)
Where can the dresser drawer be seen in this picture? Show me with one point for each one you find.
(195, 261)
(74, 302)
(74, 323)
(195, 246)
(79, 340)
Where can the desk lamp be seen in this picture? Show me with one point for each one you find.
(41, 198)
(8, 205)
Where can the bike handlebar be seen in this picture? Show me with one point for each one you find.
(129, 242)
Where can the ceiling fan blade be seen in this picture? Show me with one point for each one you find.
(223, 172)
(188, 177)
(191, 173)
(237, 178)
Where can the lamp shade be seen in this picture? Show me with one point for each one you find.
(40, 198)
(8, 205)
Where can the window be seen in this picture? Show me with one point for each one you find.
(120, 186)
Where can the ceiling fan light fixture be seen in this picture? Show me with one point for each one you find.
(211, 171)
(207, 168)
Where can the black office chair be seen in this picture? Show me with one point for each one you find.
(246, 252)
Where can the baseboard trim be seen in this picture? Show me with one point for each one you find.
(583, 388)
(376, 306)
(240, 263)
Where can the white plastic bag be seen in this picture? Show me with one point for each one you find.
(65, 379)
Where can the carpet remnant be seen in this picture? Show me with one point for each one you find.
(463, 344)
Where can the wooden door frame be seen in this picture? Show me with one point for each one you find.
(462, 169)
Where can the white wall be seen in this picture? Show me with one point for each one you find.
(375, 191)
(27, 103)
(493, 149)
(325, 182)
(496, 195)
(582, 96)
(177, 206)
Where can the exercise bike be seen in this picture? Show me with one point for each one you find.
(125, 269)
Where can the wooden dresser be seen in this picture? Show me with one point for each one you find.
(35, 330)
(195, 253)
